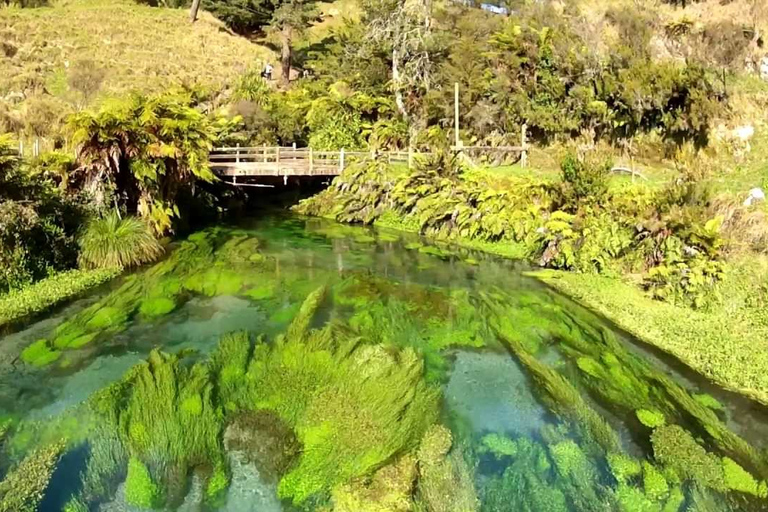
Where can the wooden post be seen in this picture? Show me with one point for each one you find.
(524, 146)
(310, 160)
(237, 153)
(277, 160)
(193, 10)
(21, 148)
(36, 148)
(264, 151)
(456, 113)
(341, 160)
(410, 156)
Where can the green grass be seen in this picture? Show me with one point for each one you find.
(138, 47)
(726, 343)
(50, 291)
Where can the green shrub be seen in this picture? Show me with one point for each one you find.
(584, 181)
(111, 241)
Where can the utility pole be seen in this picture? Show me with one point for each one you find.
(456, 113)
(193, 10)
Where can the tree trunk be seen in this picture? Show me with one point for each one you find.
(396, 84)
(193, 10)
(286, 55)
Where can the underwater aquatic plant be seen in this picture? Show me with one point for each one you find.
(389, 490)
(498, 445)
(107, 459)
(39, 354)
(446, 482)
(217, 485)
(623, 467)
(140, 490)
(654, 483)
(170, 412)
(739, 479)
(353, 406)
(23, 487)
(675, 447)
(111, 241)
(650, 418)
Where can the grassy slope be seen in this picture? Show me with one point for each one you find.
(140, 47)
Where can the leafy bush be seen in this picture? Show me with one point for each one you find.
(38, 223)
(584, 181)
(114, 242)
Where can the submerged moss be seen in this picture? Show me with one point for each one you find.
(499, 445)
(24, 486)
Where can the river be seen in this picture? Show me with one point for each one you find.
(353, 345)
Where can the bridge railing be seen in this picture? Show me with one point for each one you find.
(291, 161)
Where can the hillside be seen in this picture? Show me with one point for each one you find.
(134, 47)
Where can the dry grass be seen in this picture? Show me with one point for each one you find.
(140, 48)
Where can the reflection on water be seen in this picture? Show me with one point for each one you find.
(356, 349)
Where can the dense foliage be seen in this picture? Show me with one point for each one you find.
(143, 152)
(670, 236)
(38, 223)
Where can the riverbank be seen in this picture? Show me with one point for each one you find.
(722, 339)
(49, 292)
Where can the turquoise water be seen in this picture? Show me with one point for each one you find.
(372, 372)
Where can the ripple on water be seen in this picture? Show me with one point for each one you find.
(492, 392)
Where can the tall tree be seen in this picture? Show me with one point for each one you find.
(289, 20)
(404, 29)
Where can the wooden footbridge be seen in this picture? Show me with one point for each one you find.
(244, 165)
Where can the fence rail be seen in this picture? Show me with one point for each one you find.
(275, 161)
